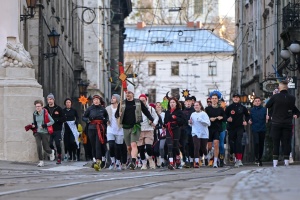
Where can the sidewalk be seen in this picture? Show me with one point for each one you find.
(280, 183)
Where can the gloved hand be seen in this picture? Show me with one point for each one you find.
(174, 116)
(44, 125)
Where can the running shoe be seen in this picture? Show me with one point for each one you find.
(111, 166)
(132, 166)
(171, 167)
(196, 165)
(103, 165)
(144, 167)
(118, 167)
(97, 165)
(215, 165)
(221, 162)
(178, 162)
(260, 164)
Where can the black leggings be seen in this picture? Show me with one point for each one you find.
(98, 149)
(69, 142)
(235, 140)
(259, 141)
(173, 143)
(199, 144)
(56, 137)
(283, 134)
(142, 150)
(121, 152)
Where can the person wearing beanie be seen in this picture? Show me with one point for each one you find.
(147, 135)
(97, 117)
(115, 136)
(71, 133)
(57, 114)
(130, 114)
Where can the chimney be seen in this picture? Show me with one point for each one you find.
(198, 24)
(190, 24)
(140, 25)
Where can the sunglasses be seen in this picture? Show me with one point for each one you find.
(208, 101)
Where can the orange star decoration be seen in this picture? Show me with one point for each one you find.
(83, 100)
(185, 93)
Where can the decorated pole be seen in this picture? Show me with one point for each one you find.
(123, 78)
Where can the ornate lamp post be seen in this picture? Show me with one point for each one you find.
(31, 4)
(53, 39)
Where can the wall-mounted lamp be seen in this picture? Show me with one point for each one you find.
(82, 86)
(53, 39)
(251, 97)
(292, 53)
(244, 98)
(31, 4)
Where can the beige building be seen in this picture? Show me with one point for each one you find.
(263, 29)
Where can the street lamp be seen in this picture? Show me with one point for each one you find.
(53, 39)
(292, 53)
(244, 98)
(31, 4)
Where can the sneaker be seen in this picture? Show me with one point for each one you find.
(260, 164)
(41, 164)
(236, 164)
(231, 158)
(215, 165)
(191, 164)
(52, 156)
(196, 165)
(97, 165)
(221, 163)
(103, 165)
(291, 160)
(186, 165)
(58, 161)
(144, 167)
(240, 163)
(151, 163)
(111, 166)
(210, 163)
(171, 167)
(162, 165)
(132, 166)
(139, 164)
(124, 167)
(118, 167)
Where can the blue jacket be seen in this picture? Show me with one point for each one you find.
(258, 118)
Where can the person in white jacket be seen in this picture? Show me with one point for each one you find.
(199, 122)
(147, 136)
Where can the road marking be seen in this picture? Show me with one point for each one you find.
(64, 168)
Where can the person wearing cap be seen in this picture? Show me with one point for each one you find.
(237, 116)
(97, 117)
(216, 116)
(71, 133)
(283, 111)
(146, 138)
(130, 115)
(208, 101)
(115, 136)
(57, 114)
(186, 138)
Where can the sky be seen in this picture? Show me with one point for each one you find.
(226, 6)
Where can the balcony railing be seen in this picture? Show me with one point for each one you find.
(291, 16)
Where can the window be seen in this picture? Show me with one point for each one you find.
(185, 39)
(151, 68)
(175, 93)
(212, 68)
(128, 68)
(174, 68)
(152, 95)
(198, 7)
(131, 39)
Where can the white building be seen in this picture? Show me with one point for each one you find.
(176, 58)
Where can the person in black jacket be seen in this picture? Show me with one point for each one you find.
(283, 112)
(58, 116)
(174, 119)
(237, 116)
(69, 138)
(97, 117)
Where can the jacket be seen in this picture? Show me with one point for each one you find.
(95, 113)
(283, 108)
(238, 113)
(258, 117)
(57, 115)
(145, 126)
(179, 120)
(39, 120)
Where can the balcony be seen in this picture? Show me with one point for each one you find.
(291, 16)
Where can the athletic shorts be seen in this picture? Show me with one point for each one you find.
(213, 135)
(130, 137)
(146, 137)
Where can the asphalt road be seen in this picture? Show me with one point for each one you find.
(73, 181)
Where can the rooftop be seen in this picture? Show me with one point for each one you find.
(174, 39)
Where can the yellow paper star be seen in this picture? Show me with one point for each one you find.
(83, 100)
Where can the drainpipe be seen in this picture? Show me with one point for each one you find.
(276, 29)
(240, 68)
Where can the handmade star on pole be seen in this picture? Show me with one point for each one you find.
(185, 93)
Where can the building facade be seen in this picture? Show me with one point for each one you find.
(264, 29)
(174, 59)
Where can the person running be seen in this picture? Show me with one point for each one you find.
(97, 117)
(174, 120)
(216, 116)
(161, 135)
(258, 118)
(58, 116)
(70, 130)
(186, 139)
(41, 135)
(130, 115)
(237, 116)
(283, 111)
(147, 135)
(199, 121)
(115, 134)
